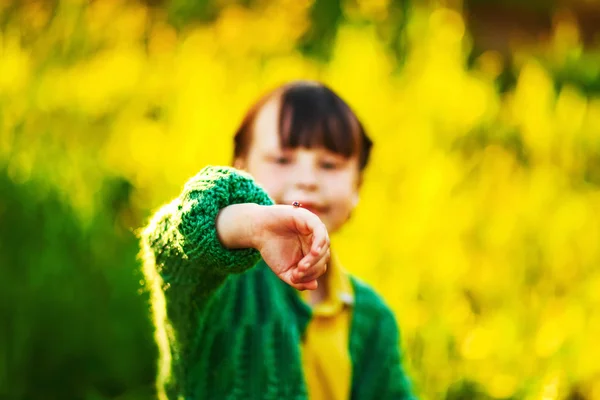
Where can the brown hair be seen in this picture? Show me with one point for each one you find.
(310, 115)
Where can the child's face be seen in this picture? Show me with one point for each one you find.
(324, 182)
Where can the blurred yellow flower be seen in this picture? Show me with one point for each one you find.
(479, 215)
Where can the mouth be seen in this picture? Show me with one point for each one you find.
(314, 208)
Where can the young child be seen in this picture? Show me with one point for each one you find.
(228, 263)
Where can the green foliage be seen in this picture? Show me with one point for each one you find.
(74, 324)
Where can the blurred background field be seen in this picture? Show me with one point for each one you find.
(479, 221)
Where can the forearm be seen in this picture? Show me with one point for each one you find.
(184, 236)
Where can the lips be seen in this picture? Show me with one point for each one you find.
(314, 208)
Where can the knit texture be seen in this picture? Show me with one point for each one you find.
(226, 330)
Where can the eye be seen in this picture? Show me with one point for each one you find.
(281, 160)
(328, 164)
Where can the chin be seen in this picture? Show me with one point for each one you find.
(331, 228)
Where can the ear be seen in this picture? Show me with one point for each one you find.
(355, 200)
(239, 163)
(355, 196)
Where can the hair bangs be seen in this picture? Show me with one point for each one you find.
(313, 116)
(310, 115)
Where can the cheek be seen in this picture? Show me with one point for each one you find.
(271, 180)
(341, 193)
(342, 185)
(341, 203)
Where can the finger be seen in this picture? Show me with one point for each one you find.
(313, 256)
(314, 275)
(298, 283)
(318, 270)
(320, 240)
(312, 285)
(310, 260)
(303, 273)
(318, 263)
(308, 284)
(308, 223)
(315, 271)
(316, 253)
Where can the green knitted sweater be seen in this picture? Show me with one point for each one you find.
(227, 327)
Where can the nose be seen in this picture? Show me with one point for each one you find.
(305, 177)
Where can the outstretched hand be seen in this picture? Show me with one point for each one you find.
(294, 243)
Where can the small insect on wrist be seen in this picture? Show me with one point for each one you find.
(296, 204)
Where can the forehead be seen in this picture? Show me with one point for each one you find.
(266, 125)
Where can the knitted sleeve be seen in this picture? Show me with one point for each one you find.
(185, 263)
(182, 236)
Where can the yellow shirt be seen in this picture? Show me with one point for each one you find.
(325, 352)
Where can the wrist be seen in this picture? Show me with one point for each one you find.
(237, 225)
(256, 226)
